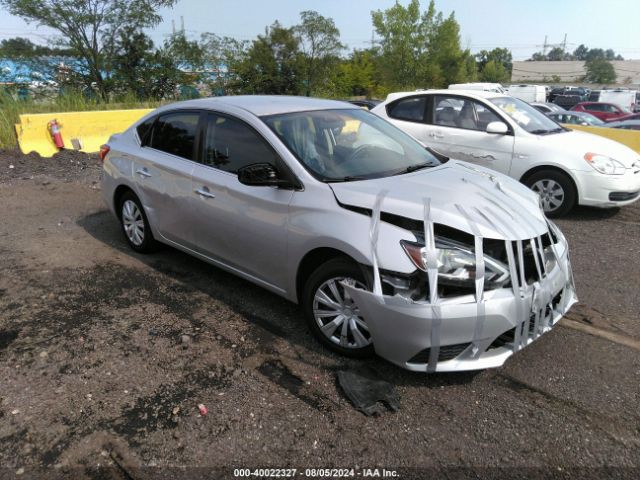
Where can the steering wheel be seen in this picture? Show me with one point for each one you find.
(360, 153)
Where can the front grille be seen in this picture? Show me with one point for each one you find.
(623, 196)
(447, 352)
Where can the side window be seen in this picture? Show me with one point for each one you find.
(462, 113)
(411, 109)
(175, 133)
(143, 130)
(230, 144)
(593, 108)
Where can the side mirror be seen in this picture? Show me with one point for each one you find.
(261, 175)
(498, 128)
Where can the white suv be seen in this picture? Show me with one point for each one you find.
(503, 133)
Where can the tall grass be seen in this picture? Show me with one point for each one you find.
(11, 109)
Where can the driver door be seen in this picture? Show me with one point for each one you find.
(242, 227)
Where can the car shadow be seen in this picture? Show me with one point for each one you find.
(587, 214)
(268, 314)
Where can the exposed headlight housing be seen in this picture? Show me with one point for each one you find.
(604, 164)
(457, 264)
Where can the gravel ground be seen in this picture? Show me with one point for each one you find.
(105, 356)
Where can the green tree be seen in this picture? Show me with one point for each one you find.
(90, 27)
(225, 57)
(355, 76)
(319, 40)
(494, 71)
(24, 48)
(445, 57)
(272, 64)
(498, 55)
(580, 53)
(599, 70)
(403, 43)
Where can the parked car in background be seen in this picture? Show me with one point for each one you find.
(594, 96)
(624, 98)
(576, 118)
(570, 97)
(528, 93)
(604, 111)
(624, 124)
(508, 135)
(547, 107)
(554, 92)
(332, 207)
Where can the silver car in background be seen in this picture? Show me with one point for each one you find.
(436, 265)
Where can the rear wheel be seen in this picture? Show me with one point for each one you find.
(556, 190)
(135, 224)
(331, 313)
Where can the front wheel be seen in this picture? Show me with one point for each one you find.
(556, 190)
(331, 314)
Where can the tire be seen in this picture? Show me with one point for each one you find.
(556, 189)
(326, 280)
(135, 225)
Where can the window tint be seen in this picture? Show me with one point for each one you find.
(175, 133)
(230, 144)
(411, 109)
(144, 128)
(594, 107)
(462, 113)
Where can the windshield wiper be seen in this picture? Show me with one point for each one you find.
(348, 178)
(413, 168)
(544, 131)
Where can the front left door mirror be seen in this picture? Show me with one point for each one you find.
(261, 175)
(498, 128)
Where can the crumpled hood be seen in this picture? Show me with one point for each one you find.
(460, 195)
(578, 143)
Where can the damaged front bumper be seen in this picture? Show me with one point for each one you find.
(423, 337)
(473, 331)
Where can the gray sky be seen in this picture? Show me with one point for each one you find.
(520, 25)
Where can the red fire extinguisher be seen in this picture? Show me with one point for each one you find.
(56, 136)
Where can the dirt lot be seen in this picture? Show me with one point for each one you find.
(106, 354)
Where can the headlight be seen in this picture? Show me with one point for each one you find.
(604, 164)
(457, 264)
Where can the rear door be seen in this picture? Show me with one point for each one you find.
(162, 171)
(243, 227)
(457, 127)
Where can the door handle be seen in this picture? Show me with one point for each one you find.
(205, 193)
(437, 135)
(143, 172)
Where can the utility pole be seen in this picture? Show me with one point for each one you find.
(544, 47)
(173, 27)
(182, 23)
(564, 44)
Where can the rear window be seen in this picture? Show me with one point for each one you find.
(144, 128)
(411, 109)
(175, 133)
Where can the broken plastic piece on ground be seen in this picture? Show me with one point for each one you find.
(367, 391)
(203, 409)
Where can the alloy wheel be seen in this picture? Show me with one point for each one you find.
(551, 194)
(338, 316)
(133, 222)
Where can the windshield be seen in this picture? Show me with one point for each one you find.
(346, 145)
(526, 116)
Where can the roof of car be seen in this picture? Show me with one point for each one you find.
(623, 122)
(467, 93)
(261, 105)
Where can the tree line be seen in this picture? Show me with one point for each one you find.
(415, 48)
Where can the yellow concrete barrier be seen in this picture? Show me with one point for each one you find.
(84, 131)
(630, 138)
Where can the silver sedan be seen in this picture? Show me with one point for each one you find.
(435, 265)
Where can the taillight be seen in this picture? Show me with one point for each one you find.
(104, 149)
